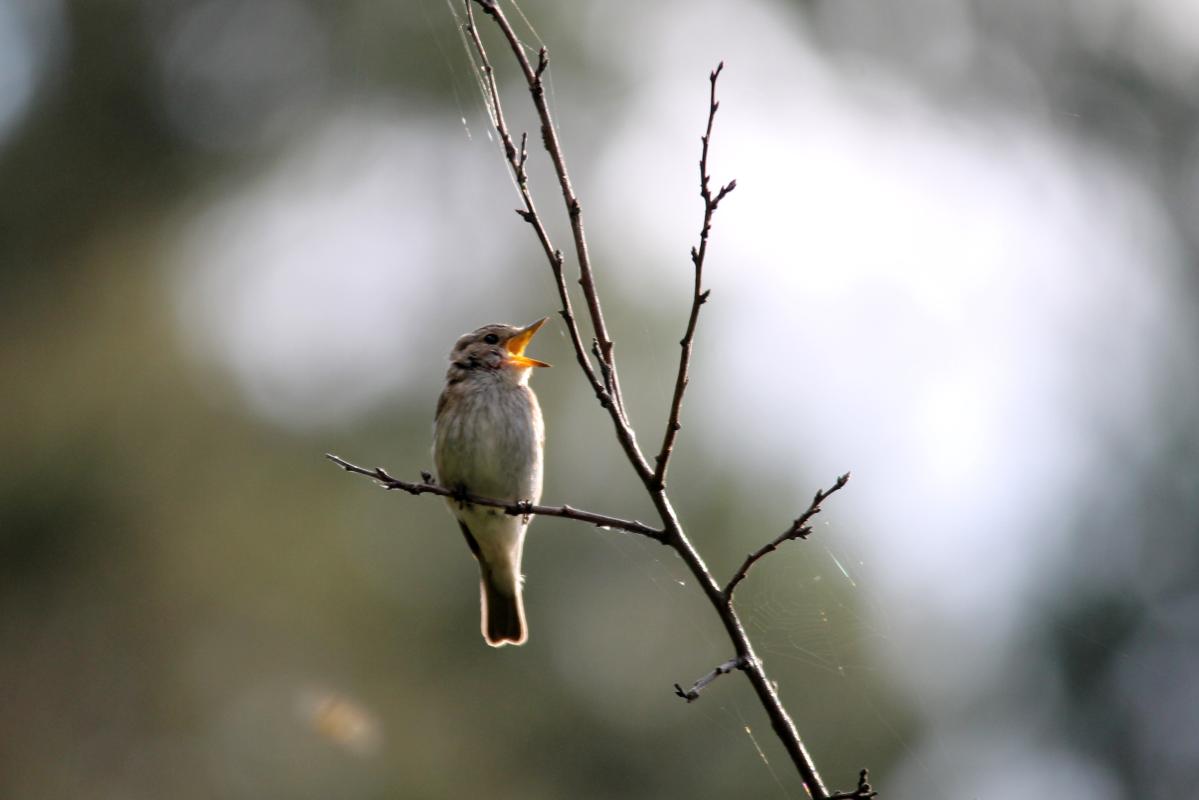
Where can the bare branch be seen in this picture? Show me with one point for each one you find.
(692, 694)
(799, 530)
(517, 509)
(549, 136)
(698, 296)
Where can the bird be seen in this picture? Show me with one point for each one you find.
(489, 441)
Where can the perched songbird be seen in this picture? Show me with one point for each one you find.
(488, 439)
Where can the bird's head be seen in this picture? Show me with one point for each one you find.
(495, 349)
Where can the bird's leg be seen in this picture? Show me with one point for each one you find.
(458, 494)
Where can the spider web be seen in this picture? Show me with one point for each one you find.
(480, 92)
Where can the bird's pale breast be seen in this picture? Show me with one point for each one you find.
(488, 439)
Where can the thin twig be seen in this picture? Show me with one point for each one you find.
(799, 530)
(698, 296)
(692, 694)
(516, 509)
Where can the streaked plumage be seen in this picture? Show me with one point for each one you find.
(488, 441)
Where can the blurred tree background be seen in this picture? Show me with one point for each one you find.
(237, 234)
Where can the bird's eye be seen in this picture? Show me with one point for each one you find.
(491, 338)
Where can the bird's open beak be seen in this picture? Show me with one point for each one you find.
(517, 344)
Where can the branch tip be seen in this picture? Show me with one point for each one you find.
(699, 294)
(799, 530)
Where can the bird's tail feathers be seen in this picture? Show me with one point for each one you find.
(503, 612)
